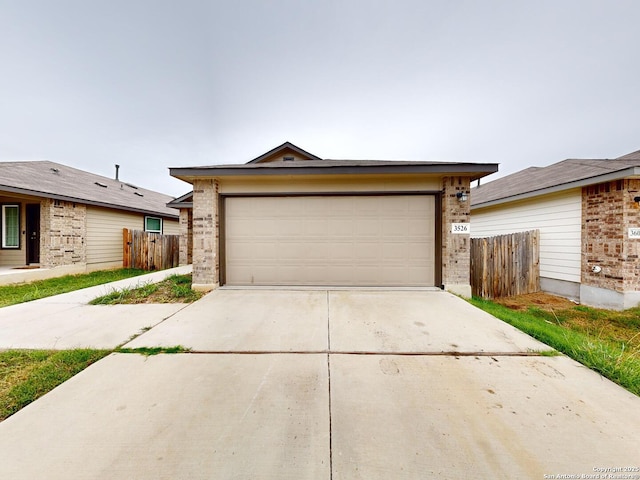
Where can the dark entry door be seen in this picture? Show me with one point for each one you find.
(33, 233)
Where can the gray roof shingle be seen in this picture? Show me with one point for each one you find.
(54, 180)
(540, 179)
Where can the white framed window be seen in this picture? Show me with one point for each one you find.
(10, 226)
(153, 224)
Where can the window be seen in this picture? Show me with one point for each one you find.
(10, 226)
(153, 224)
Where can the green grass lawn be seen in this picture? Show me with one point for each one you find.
(603, 340)
(26, 375)
(25, 292)
(173, 289)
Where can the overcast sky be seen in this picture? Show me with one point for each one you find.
(152, 84)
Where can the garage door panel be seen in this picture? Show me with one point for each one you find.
(316, 226)
(342, 240)
(368, 252)
(342, 250)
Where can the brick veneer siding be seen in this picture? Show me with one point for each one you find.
(206, 234)
(63, 229)
(186, 236)
(456, 249)
(608, 210)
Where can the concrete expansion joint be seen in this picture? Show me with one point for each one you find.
(373, 354)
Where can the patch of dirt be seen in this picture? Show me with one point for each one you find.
(601, 323)
(543, 301)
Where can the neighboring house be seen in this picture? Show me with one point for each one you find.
(289, 217)
(57, 216)
(588, 214)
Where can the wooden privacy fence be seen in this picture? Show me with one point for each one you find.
(149, 251)
(505, 265)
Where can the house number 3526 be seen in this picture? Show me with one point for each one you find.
(460, 228)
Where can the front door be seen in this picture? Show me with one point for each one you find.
(33, 233)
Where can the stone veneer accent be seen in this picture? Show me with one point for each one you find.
(206, 235)
(608, 210)
(185, 256)
(63, 232)
(456, 249)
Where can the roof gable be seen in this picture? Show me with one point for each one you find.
(301, 162)
(285, 152)
(54, 180)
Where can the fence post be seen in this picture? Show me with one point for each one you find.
(126, 248)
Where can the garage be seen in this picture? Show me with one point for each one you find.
(350, 240)
(291, 218)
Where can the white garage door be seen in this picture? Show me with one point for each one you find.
(330, 240)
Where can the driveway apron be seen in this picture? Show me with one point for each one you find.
(319, 384)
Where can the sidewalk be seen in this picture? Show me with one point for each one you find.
(67, 321)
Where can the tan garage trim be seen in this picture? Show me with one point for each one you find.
(364, 240)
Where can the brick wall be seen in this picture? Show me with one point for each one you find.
(608, 210)
(63, 232)
(456, 248)
(186, 236)
(206, 234)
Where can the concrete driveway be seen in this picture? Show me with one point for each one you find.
(317, 384)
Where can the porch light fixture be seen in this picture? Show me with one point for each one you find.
(462, 196)
(636, 199)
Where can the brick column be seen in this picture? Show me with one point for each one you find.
(631, 250)
(608, 210)
(456, 248)
(206, 235)
(63, 229)
(186, 236)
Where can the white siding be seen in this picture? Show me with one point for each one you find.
(557, 216)
(170, 227)
(104, 234)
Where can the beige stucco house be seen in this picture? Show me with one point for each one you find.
(289, 217)
(588, 215)
(64, 220)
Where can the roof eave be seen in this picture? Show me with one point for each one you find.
(474, 170)
(65, 198)
(179, 205)
(585, 182)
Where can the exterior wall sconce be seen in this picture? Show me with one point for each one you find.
(636, 199)
(462, 196)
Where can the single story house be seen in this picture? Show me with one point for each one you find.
(57, 217)
(588, 214)
(289, 217)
